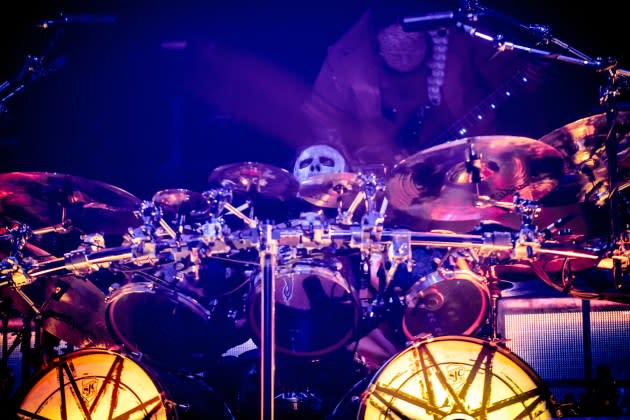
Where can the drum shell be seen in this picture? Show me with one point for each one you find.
(140, 391)
(170, 329)
(317, 309)
(446, 302)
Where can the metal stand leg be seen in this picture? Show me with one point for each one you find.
(268, 258)
(495, 295)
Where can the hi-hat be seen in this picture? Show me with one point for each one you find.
(41, 199)
(583, 146)
(330, 190)
(258, 178)
(435, 184)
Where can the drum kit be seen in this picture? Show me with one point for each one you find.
(150, 295)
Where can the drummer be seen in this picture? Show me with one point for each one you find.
(383, 93)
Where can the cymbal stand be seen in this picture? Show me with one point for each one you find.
(268, 252)
(371, 226)
(618, 81)
(14, 266)
(371, 183)
(221, 199)
(13, 272)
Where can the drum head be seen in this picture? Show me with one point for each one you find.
(109, 385)
(446, 304)
(316, 310)
(456, 377)
(167, 328)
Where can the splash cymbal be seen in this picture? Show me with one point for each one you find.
(331, 189)
(583, 146)
(435, 184)
(257, 178)
(180, 201)
(42, 199)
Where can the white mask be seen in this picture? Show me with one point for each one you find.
(318, 159)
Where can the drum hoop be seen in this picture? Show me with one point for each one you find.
(156, 289)
(505, 351)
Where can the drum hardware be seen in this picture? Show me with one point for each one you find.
(369, 236)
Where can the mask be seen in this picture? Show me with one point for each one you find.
(318, 159)
(402, 51)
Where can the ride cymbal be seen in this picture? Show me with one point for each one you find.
(437, 183)
(42, 199)
(257, 178)
(583, 146)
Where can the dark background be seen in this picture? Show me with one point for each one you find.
(116, 104)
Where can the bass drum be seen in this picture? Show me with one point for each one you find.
(455, 377)
(103, 384)
(446, 303)
(169, 328)
(317, 310)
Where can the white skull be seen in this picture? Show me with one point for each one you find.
(318, 159)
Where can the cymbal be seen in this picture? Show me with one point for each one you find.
(181, 201)
(258, 178)
(72, 308)
(582, 144)
(40, 199)
(434, 184)
(325, 190)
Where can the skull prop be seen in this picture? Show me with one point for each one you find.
(318, 159)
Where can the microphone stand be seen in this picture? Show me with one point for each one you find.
(34, 68)
(618, 82)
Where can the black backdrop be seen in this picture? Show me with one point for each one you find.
(114, 107)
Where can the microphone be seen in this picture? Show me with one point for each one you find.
(554, 227)
(64, 19)
(435, 20)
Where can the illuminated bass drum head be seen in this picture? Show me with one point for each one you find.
(108, 385)
(455, 378)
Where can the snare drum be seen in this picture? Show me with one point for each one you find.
(317, 309)
(110, 385)
(455, 377)
(446, 302)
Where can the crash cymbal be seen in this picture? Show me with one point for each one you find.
(40, 199)
(256, 178)
(434, 184)
(182, 202)
(326, 190)
(582, 144)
